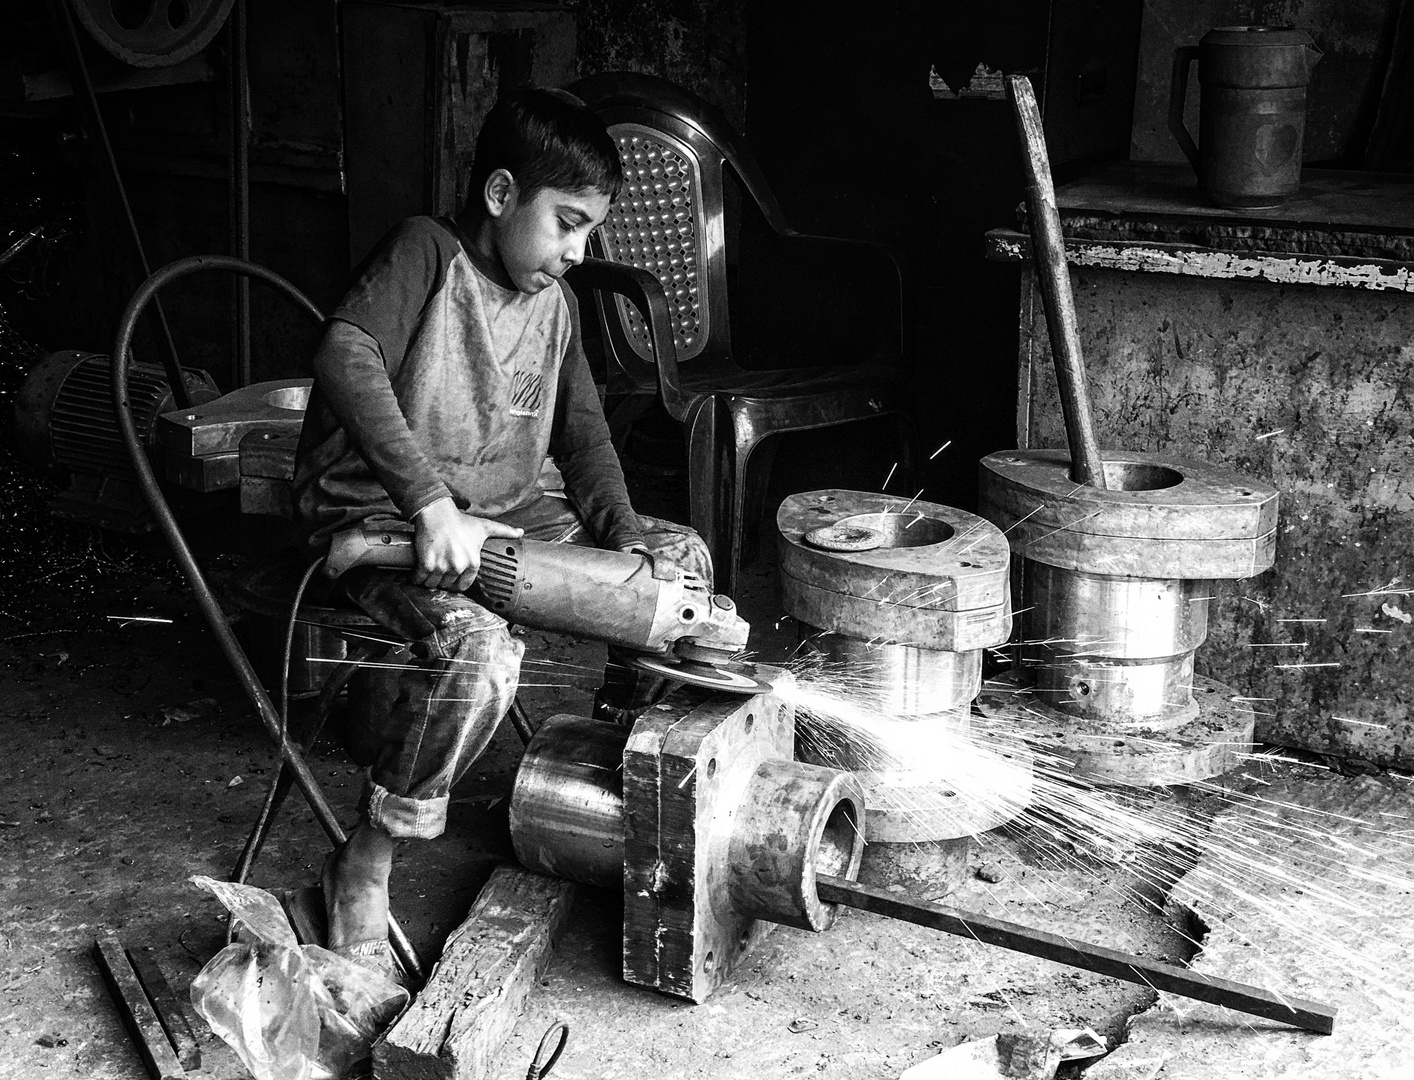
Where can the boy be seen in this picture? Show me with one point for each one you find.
(445, 376)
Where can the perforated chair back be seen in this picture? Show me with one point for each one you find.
(668, 220)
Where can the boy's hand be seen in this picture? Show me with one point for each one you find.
(448, 545)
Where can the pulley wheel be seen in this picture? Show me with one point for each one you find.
(152, 33)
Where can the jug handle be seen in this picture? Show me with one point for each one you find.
(1178, 91)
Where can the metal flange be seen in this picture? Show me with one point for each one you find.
(903, 596)
(1215, 738)
(937, 580)
(1161, 517)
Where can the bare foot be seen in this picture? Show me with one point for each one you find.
(356, 887)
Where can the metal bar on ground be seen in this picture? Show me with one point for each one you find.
(1310, 1015)
(166, 1005)
(137, 1013)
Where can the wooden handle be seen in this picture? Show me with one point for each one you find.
(1048, 249)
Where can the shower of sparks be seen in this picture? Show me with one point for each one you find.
(912, 501)
(1387, 589)
(1271, 434)
(892, 469)
(1318, 663)
(1276, 644)
(982, 768)
(1371, 630)
(1301, 620)
(1362, 723)
(939, 450)
(126, 619)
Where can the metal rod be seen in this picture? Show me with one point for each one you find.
(238, 114)
(1311, 1015)
(191, 570)
(1053, 275)
(98, 132)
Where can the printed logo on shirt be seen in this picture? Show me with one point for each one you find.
(526, 387)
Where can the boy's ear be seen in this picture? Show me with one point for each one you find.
(499, 192)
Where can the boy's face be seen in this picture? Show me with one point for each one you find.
(538, 239)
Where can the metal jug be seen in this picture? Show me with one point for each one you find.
(1252, 114)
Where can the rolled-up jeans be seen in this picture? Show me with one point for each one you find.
(419, 725)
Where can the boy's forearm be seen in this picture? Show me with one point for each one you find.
(588, 462)
(354, 383)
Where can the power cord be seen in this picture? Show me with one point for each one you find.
(540, 1065)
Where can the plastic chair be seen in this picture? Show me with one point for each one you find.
(669, 220)
(275, 586)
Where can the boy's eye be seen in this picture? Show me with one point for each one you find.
(566, 226)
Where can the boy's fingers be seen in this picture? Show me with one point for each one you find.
(496, 528)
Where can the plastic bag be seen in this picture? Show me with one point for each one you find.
(290, 1012)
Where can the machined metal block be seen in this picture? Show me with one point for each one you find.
(219, 425)
(701, 814)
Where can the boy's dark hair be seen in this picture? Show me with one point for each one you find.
(544, 139)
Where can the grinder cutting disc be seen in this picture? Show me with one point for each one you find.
(736, 679)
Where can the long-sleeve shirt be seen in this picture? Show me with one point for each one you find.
(434, 380)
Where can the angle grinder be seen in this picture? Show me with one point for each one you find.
(668, 618)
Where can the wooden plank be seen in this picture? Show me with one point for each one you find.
(169, 1008)
(137, 1013)
(458, 1024)
(1311, 1015)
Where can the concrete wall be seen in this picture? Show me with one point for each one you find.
(698, 44)
(1309, 389)
(1355, 36)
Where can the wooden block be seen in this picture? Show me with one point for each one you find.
(457, 1025)
(137, 1012)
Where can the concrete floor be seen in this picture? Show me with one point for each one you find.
(135, 763)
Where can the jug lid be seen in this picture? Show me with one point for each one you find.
(1256, 36)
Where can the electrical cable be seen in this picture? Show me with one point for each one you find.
(191, 570)
(539, 1065)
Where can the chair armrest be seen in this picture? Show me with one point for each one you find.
(887, 256)
(644, 292)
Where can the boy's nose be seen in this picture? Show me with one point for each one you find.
(574, 252)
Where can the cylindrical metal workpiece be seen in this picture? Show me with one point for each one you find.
(1116, 585)
(790, 821)
(897, 599)
(567, 808)
(793, 821)
(1114, 648)
(902, 680)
